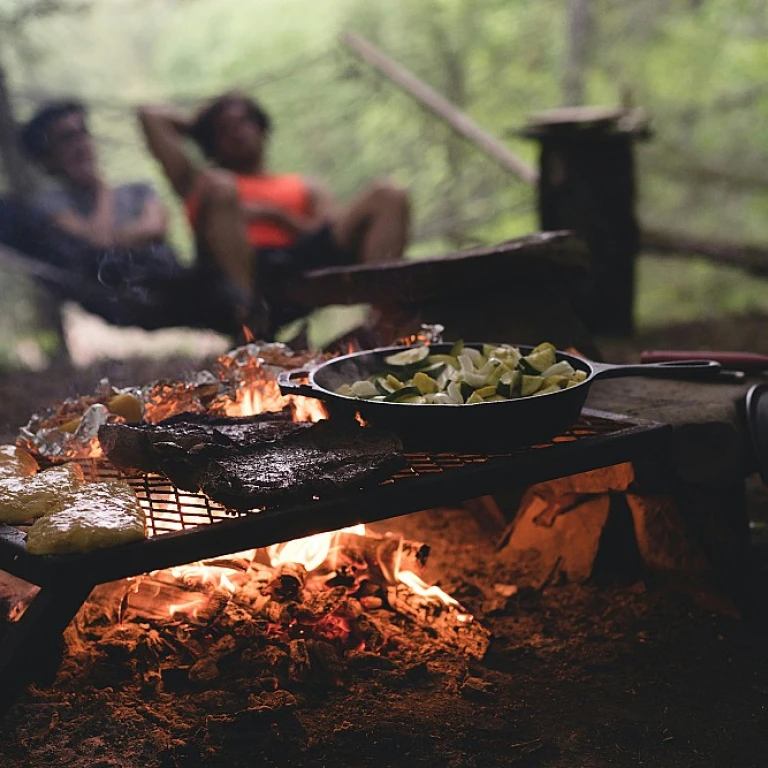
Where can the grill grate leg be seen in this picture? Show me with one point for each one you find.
(28, 644)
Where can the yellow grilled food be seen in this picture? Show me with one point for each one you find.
(15, 462)
(25, 498)
(98, 515)
(127, 406)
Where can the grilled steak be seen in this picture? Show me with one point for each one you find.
(258, 461)
(145, 446)
(321, 461)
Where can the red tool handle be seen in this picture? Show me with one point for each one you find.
(744, 361)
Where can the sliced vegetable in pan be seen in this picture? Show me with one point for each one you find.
(466, 375)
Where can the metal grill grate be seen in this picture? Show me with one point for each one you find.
(169, 509)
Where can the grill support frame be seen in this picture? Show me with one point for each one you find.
(599, 440)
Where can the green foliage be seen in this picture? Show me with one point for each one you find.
(698, 68)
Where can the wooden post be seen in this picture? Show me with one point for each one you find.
(587, 184)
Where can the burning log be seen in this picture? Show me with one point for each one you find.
(163, 597)
(298, 661)
(287, 582)
(453, 626)
(381, 556)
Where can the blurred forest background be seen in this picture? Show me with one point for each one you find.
(698, 66)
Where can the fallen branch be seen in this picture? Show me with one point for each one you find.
(751, 258)
(431, 100)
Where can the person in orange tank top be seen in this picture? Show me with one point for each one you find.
(255, 228)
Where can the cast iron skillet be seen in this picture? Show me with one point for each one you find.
(483, 427)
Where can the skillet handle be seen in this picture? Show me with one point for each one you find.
(698, 370)
(290, 387)
(745, 361)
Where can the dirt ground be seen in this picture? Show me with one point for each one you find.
(610, 674)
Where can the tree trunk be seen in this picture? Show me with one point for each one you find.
(579, 33)
(19, 179)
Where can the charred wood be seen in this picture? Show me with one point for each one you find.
(452, 625)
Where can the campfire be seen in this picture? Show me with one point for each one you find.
(315, 601)
(304, 608)
(303, 605)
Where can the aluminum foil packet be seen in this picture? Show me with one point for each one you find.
(69, 430)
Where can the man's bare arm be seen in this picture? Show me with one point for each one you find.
(97, 228)
(150, 227)
(165, 128)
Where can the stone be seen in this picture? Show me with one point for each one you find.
(709, 443)
(545, 547)
(665, 541)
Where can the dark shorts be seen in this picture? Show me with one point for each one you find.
(313, 251)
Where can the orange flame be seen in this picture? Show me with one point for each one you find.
(311, 551)
(418, 585)
(263, 395)
(94, 450)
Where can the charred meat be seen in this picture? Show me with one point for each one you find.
(259, 461)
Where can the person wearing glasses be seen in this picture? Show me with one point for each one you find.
(82, 203)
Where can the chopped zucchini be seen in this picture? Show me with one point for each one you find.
(547, 390)
(466, 390)
(558, 381)
(444, 359)
(408, 357)
(544, 345)
(402, 394)
(384, 387)
(467, 375)
(509, 384)
(475, 356)
(364, 389)
(541, 358)
(530, 384)
(475, 380)
(434, 369)
(563, 368)
(453, 391)
(424, 383)
(466, 364)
